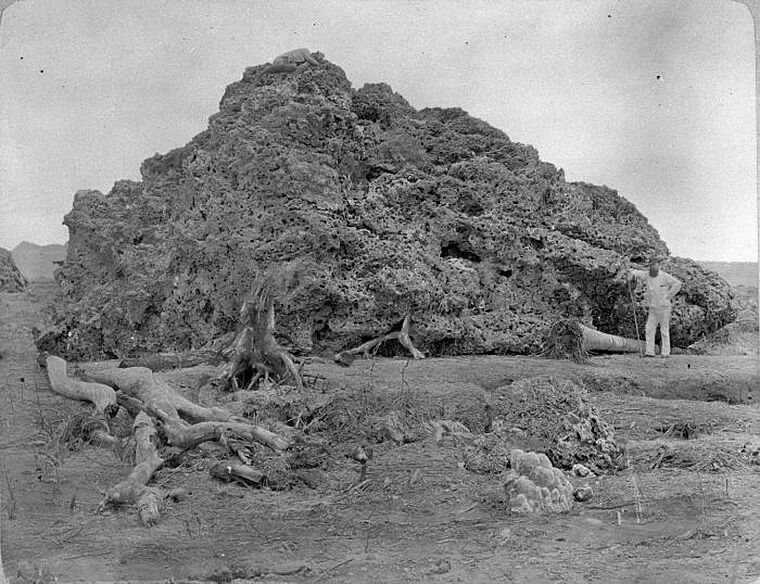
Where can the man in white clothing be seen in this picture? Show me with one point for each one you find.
(661, 289)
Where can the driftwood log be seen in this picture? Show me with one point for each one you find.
(371, 347)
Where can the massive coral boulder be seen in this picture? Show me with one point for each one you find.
(11, 278)
(368, 210)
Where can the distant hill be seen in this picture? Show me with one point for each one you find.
(11, 279)
(735, 273)
(36, 262)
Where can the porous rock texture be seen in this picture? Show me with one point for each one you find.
(11, 278)
(533, 485)
(364, 210)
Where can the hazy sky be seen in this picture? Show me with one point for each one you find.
(653, 98)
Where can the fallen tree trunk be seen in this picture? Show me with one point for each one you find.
(161, 361)
(569, 339)
(402, 336)
(594, 340)
(134, 490)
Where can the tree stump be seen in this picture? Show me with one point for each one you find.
(256, 355)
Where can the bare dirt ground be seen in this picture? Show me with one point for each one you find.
(684, 511)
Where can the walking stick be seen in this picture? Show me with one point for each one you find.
(635, 320)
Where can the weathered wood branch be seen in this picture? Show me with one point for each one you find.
(234, 471)
(101, 396)
(156, 395)
(401, 335)
(134, 490)
(184, 435)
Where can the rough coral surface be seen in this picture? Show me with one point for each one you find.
(11, 278)
(535, 486)
(369, 210)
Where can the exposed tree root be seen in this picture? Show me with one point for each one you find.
(157, 396)
(255, 352)
(183, 435)
(401, 335)
(162, 402)
(158, 408)
(134, 490)
(101, 396)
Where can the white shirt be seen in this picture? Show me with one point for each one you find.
(660, 289)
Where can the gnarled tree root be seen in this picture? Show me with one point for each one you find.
(184, 435)
(101, 396)
(156, 395)
(401, 335)
(134, 490)
(166, 405)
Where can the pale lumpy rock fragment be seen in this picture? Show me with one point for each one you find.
(533, 485)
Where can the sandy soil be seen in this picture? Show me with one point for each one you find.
(684, 512)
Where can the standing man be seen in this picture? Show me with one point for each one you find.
(661, 290)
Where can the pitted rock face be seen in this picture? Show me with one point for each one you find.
(535, 486)
(365, 209)
(11, 278)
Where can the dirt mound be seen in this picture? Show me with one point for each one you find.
(11, 278)
(546, 415)
(369, 210)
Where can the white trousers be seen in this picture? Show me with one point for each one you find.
(658, 317)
